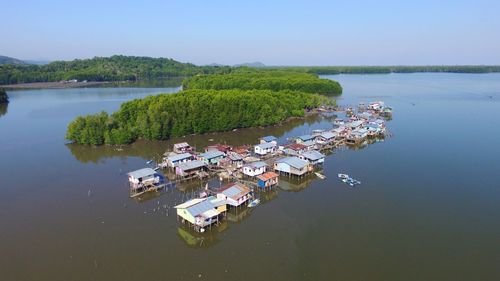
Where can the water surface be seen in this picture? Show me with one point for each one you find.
(428, 207)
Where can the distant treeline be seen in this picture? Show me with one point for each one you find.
(192, 111)
(245, 79)
(115, 68)
(3, 96)
(324, 70)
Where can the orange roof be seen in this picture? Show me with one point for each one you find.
(267, 176)
(295, 146)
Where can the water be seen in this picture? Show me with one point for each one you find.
(427, 209)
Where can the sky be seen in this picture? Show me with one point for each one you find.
(292, 32)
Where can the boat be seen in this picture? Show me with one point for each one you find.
(321, 176)
(150, 161)
(343, 176)
(254, 203)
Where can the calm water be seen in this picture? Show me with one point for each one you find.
(428, 208)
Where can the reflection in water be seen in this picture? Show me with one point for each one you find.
(209, 238)
(3, 109)
(296, 184)
(155, 149)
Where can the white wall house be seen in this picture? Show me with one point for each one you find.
(265, 148)
(254, 169)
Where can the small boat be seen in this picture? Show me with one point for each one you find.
(321, 176)
(254, 203)
(150, 161)
(343, 176)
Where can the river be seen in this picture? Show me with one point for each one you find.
(428, 208)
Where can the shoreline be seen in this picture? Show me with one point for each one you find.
(53, 85)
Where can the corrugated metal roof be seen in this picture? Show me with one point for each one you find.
(178, 157)
(354, 124)
(266, 145)
(306, 137)
(313, 155)
(235, 156)
(200, 208)
(191, 165)
(181, 144)
(268, 138)
(256, 165)
(294, 162)
(212, 154)
(328, 135)
(190, 203)
(308, 143)
(218, 202)
(267, 176)
(235, 190)
(144, 172)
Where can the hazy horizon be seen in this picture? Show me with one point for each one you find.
(281, 33)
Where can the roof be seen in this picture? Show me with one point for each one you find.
(256, 165)
(308, 143)
(181, 144)
(141, 173)
(198, 206)
(356, 123)
(266, 145)
(190, 203)
(295, 146)
(313, 155)
(267, 176)
(235, 190)
(217, 202)
(306, 137)
(195, 164)
(327, 135)
(268, 138)
(241, 149)
(293, 161)
(234, 156)
(212, 154)
(178, 157)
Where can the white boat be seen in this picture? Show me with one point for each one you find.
(254, 203)
(321, 176)
(343, 176)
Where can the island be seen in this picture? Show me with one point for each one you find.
(201, 108)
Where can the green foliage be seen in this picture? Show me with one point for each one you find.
(246, 79)
(192, 111)
(325, 70)
(4, 98)
(115, 68)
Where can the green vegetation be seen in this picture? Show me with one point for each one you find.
(193, 111)
(115, 68)
(245, 79)
(3, 96)
(324, 70)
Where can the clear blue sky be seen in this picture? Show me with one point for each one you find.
(273, 32)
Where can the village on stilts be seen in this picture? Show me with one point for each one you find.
(252, 169)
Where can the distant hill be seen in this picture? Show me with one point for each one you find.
(9, 60)
(251, 64)
(114, 68)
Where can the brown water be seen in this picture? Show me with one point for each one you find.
(428, 207)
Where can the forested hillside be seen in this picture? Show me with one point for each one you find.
(244, 79)
(115, 68)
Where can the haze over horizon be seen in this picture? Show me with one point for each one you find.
(278, 33)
